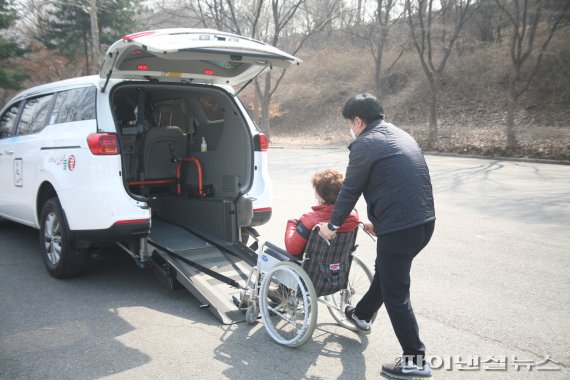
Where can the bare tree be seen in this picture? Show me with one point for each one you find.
(270, 21)
(384, 21)
(525, 17)
(377, 35)
(434, 32)
(95, 43)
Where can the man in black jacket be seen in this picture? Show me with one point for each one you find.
(387, 166)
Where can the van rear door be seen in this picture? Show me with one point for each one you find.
(191, 55)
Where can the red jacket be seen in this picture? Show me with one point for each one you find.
(298, 231)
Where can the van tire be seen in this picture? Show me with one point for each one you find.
(62, 260)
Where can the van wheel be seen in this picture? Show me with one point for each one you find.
(61, 258)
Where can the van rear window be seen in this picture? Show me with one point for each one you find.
(211, 106)
(74, 105)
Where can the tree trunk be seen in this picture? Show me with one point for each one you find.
(265, 102)
(378, 66)
(96, 58)
(432, 137)
(86, 51)
(377, 81)
(256, 100)
(512, 106)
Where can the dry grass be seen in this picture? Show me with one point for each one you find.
(551, 143)
(472, 108)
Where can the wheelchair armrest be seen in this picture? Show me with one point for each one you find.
(279, 253)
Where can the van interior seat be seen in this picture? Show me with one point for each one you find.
(125, 114)
(159, 145)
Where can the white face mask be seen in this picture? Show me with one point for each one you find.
(352, 134)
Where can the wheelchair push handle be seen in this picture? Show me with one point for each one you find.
(361, 225)
(318, 229)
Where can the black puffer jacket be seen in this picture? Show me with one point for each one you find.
(387, 166)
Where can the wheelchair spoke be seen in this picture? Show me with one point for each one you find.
(288, 304)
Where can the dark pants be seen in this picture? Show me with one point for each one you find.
(391, 284)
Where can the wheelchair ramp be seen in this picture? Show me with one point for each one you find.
(170, 241)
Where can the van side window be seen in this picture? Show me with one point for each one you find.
(211, 106)
(34, 115)
(8, 121)
(74, 105)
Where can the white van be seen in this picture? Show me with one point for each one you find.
(158, 138)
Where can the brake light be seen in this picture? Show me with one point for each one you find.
(131, 37)
(260, 142)
(103, 144)
(209, 72)
(142, 67)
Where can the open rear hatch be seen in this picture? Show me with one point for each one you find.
(191, 55)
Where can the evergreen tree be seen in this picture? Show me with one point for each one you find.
(67, 27)
(10, 78)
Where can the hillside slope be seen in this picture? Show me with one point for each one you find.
(472, 108)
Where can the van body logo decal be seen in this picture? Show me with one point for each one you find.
(66, 163)
(71, 162)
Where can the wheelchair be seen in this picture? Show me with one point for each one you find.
(285, 289)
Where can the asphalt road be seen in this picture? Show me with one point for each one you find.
(492, 285)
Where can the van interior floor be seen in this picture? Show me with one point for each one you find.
(170, 240)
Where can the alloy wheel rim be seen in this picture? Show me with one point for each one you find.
(52, 238)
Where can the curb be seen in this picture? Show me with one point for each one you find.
(499, 158)
(444, 154)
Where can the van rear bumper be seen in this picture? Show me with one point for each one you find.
(261, 216)
(115, 233)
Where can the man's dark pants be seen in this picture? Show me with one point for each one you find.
(391, 284)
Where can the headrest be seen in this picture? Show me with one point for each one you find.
(125, 112)
(168, 114)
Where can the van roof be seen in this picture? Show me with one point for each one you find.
(91, 80)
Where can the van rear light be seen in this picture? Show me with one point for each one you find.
(260, 142)
(103, 144)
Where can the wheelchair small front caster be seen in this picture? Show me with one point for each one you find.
(252, 313)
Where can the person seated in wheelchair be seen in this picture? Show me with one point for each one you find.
(327, 186)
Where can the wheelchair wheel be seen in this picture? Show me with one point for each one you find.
(359, 280)
(288, 304)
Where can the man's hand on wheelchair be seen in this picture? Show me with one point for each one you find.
(325, 232)
(369, 229)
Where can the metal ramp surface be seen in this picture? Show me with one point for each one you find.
(214, 294)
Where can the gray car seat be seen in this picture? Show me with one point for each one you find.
(160, 144)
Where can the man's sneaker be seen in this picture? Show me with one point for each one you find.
(362, 326)
(406, 369)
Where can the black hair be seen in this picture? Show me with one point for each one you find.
(364, 106)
